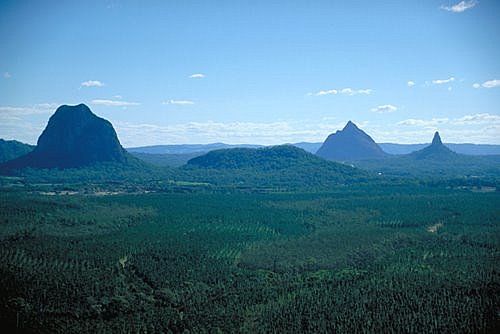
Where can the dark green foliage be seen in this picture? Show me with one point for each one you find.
(359, 259)
(268, 158)
(445, 167)
(279, 167)
(11, 149)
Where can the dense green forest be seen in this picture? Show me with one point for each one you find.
(365, 258)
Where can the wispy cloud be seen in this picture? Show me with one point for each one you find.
(460, 7)
(292, 131)
(386, 108)
(443, 81)
(491, 83)
(475, 119)
(474, 128)
(39, 108)
(350, 92)
(270, 133)
(411, 83)
(92, 83)
(424, 123)
(7, 75)
(478, 119)
(197, 76)
(343, 91)
(327, 92)
(24, 123)
(179, 102)
(114, 103)
(476, 85)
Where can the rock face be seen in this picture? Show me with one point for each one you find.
(351, 143)
(74, 137)
(436, 150)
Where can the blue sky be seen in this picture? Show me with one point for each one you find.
(265, 72)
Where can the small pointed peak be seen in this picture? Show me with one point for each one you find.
(437, 139)
(350, 125)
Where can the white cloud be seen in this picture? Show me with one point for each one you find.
(327, 92)
(476, 85)
(423, 123)
(386, 108)
(351, 92)
(344, 91)
(114, 103)
(347, 91)
(25, 123)
(179, 102)
(293, 131)
(491, 83)
(7, 75)
(270, 133)
(364, 91)
(411, 83)
(478, 119)
(92, 83)
(39, 108)
(460, 7)
(467, 120)
(197, 76)
(443, 81)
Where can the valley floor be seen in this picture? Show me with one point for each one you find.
(366, 259)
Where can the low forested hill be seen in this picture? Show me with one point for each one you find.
(11, 149)
(285, 166)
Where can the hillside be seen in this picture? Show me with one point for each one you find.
(11, 149)
(348, 144)
(278, 166)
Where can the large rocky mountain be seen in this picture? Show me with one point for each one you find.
(348, 144)
(74, 137)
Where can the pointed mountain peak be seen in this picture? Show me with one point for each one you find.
(436, 140)
(436, 150)
(350, 125)
(351, 143)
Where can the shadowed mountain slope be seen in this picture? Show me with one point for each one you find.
(74, 137)
(350, 143)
